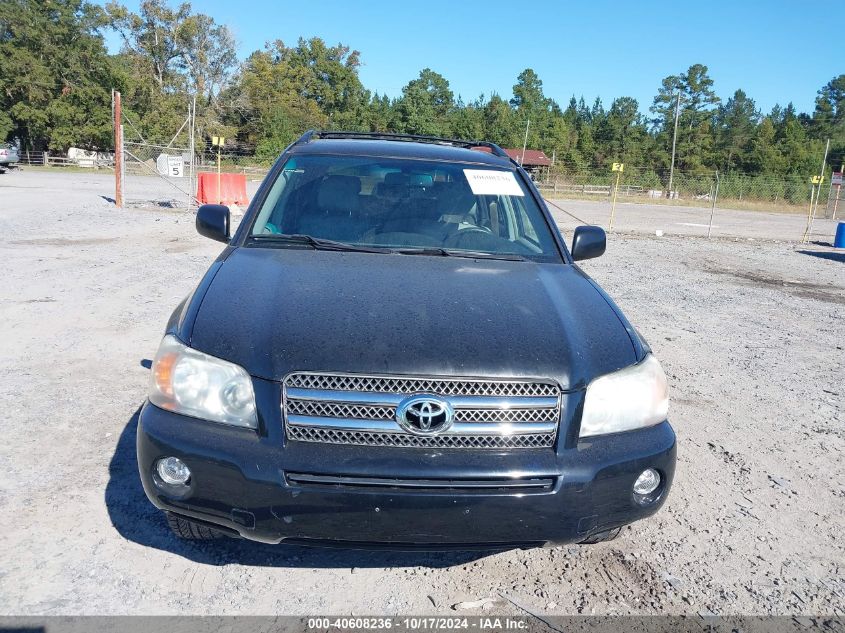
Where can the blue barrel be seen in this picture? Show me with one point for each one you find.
(839, 240)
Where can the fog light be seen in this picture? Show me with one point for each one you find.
(647, 482)
(173, 471)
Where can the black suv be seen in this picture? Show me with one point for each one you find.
(396, 348)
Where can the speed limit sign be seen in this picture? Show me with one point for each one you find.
(175, 166)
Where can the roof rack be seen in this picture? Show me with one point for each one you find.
(412, 138)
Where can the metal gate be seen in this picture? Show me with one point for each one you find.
(158, 174)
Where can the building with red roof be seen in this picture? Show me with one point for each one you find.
(533, 158)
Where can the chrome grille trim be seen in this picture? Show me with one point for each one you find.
(442, 386)
(314, 408)
(362, 410)
(406, 440)
(393, 399)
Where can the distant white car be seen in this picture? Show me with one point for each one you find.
(8, 156)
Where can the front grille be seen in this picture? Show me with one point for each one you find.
(362, 410)
(406, 440)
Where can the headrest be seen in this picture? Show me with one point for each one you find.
(455, 198)
(339, 194)
(421, 180)
(396, 178)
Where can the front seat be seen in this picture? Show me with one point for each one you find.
(337, 210)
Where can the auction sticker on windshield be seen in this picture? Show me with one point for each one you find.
(489, 182)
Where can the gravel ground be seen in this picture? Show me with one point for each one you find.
(750, 333)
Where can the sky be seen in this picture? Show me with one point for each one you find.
(776, 51)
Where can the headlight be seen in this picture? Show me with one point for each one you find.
(192, 383)
(631, 398)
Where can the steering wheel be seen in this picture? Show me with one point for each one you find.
(474, 229)
(458, 238)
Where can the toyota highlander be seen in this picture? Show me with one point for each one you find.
(396, 348)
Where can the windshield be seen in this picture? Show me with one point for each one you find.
(406, 205)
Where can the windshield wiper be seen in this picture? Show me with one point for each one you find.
(333, 245)
(319, 243)
(450, 252)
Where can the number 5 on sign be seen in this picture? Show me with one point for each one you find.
(618, 167)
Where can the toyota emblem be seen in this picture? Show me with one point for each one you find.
(424, 415)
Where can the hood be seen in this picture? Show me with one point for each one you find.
(278, 310)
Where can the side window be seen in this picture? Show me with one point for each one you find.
(269, 219)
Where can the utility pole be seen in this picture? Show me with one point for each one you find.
(674, 141)
(525, 142)
(118, 154)
(122, 166)
(192, 116)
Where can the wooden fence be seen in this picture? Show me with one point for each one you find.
(46, 160)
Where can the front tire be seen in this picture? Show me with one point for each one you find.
(190, 531)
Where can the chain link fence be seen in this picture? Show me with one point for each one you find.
(235, 158)
(176, 169)
(835, 207)
(735, 190)
(166, 174)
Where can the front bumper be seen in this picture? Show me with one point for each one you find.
(241, 483)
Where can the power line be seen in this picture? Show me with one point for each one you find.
(547, 201)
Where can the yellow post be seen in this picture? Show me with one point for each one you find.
(618, 168)
(218, 141)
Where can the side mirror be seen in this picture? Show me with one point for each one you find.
(213, 222)
(588, 242)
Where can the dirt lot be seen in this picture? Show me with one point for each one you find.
(751, 335)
